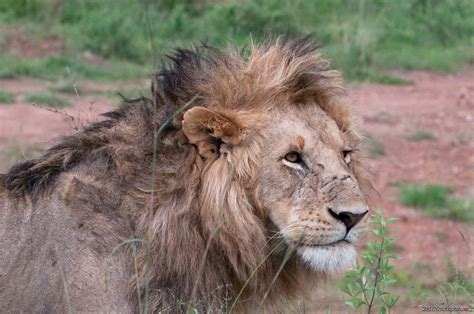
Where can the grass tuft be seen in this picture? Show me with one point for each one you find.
(6, 98)
(421, 284)
(49, 100)
(60, 68)
(421, 135)
(434, 201)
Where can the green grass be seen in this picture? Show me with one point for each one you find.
(421, 135)
(54, 68)
(363, 38)
(420, 284)
(6, 97)
(49, 100)
(435, 201)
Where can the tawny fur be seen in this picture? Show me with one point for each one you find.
(188, 190)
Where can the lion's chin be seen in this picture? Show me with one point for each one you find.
(330, 258)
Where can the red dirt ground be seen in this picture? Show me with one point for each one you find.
(440, 104)
(443, 106)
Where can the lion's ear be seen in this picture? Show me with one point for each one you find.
(208, 129)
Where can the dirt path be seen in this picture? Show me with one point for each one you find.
(442, 105)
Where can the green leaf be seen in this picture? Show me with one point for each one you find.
(346, 290)
(388, 282)
(351, 304)
(369, 258)
(391, 255)
(391, 302)
(358, 302)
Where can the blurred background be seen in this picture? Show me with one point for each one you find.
(408, 66)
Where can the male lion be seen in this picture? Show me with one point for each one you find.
(235, 186)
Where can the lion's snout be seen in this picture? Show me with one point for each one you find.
(348, 218)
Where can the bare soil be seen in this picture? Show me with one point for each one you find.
(442, 105)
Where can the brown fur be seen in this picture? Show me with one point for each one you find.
(191, 192)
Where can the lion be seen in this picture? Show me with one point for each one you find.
(237, 185)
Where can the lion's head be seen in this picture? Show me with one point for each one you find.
(278, 127)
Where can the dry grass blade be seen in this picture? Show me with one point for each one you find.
(201, 267)
(253, 274)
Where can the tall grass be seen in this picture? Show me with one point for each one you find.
(362, 37)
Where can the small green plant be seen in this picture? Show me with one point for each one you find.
(434, 200)
(420, 284)
(6, 98)
(421, 135)
(458, 286)
(367, 283)
(49, 100)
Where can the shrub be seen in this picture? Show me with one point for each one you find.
(434, 200)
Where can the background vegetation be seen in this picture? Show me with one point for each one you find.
(363, 38)
(75, 41)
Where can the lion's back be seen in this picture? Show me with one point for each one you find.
(48, 264)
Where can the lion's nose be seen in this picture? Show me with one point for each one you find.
(349, 219)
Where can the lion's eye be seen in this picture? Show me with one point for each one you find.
(346, 154)
(293, 160)
(293, 157)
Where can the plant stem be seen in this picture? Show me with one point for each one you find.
(377, 272)
(363, 292)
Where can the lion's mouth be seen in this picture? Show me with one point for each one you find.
(331, 244)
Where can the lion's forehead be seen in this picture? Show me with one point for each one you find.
(310, 124)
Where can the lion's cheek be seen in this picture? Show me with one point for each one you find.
(280, 214)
